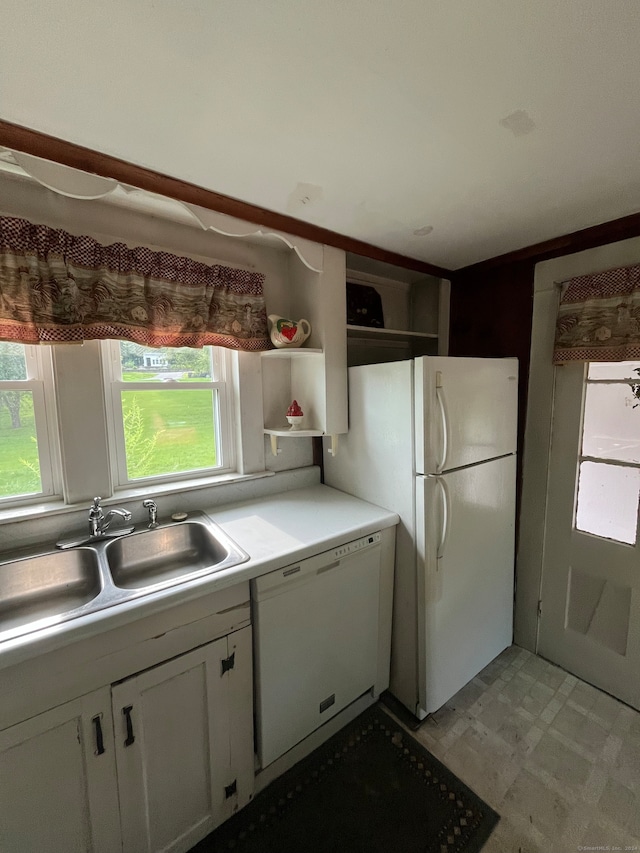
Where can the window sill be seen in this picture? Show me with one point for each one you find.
(55, 507)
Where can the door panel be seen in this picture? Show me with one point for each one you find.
(465, 547)
(590, 596)
(57, 789)
(472, 402)
(173, 751)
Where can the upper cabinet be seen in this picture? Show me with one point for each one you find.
(393, 313)
(313, 374)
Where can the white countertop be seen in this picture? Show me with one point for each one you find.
(274, 531)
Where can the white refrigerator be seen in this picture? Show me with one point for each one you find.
(434, 439)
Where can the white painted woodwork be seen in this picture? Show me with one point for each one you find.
(82, 421)
(315, 374)
(590, 592)
(111, 650)
(193, 729)
(539, 419)
(172, 778)
(415, 310)
(56, 792)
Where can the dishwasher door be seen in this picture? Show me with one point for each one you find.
(316, 641)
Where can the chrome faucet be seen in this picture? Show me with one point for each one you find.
(99, 522)
(153, 512)
(99, 526)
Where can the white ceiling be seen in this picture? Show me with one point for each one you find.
(497, 123)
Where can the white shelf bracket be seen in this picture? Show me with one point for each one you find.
(333, 449)
(274, 445)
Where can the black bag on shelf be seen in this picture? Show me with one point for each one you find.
(364, 306)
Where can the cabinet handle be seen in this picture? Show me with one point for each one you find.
(127, 716)
(97, 723)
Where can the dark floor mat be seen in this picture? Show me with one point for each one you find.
(371, 788)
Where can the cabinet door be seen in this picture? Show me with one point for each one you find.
(57, 780)
(173, 746)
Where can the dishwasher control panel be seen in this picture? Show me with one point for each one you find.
(356, 545)
(274, 583)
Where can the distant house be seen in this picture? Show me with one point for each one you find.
(158, 360)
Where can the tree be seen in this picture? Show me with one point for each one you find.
(195, 361)
(131, 354)
(12, 366)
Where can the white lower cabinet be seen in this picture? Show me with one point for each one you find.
(184, 745)
(57, 780)
(152, 763)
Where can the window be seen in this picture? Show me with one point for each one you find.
(28, 452)
(169, 411)
(609, 476)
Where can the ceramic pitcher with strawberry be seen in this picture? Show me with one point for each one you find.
(287, 333)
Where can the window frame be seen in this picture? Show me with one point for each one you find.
(39, 381)
(221, 384)
(601, 460)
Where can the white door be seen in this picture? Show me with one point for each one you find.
(465, 555)
(57, 780)
(590, 598)
(178, 773)
(466, 411)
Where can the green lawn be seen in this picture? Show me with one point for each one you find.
(167, 432)
(19, 468)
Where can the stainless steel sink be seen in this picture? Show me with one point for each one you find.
(52, 587)
(39, 590)
(170, 554)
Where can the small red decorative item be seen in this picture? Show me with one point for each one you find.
(294, 410)
(288, 332)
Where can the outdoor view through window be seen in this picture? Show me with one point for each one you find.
(166, 410)
(20, 472)
(609, 466)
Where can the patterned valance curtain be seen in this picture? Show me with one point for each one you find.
(599, 317)
(56, 287)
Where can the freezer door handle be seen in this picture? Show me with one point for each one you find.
(443, 419)
(444, 534)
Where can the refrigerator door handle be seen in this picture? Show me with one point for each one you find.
(445, 427)
(445, 517)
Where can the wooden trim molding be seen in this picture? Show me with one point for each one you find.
(568, 244)
(78, 157)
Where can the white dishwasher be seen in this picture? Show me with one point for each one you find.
(316, 641)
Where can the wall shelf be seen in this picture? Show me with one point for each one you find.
(286, 352)
(285, 432)
(387, 334)
(293, 433)
(414, 308)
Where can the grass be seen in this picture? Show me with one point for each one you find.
(19, 466)
(167, 432)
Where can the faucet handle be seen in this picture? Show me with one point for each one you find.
(153, 512)
(95, 509)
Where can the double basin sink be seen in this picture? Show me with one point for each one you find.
(46, 589)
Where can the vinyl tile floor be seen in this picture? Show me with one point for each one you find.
(557, 759)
